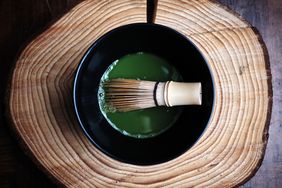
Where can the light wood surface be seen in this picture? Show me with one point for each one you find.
(232, 147)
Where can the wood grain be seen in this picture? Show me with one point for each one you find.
(265, 15)
(232, 147)
(21, 20)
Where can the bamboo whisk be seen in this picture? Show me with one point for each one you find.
(128, 94)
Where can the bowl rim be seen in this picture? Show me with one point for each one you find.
(82, 62)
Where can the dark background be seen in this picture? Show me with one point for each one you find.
(22, 19)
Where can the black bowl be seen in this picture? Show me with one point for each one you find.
(163, 42)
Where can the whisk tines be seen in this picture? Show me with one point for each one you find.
(128, 94)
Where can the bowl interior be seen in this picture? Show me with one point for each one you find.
(163, 42)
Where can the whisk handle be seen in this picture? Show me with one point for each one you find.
(178, 93)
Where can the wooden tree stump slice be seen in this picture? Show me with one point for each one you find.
(230, 150)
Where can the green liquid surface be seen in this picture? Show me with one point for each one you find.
(143, 123)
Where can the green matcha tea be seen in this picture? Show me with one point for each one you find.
(146, 122)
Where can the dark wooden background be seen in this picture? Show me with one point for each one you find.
(22, 19)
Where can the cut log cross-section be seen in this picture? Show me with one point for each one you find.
(230, 150)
